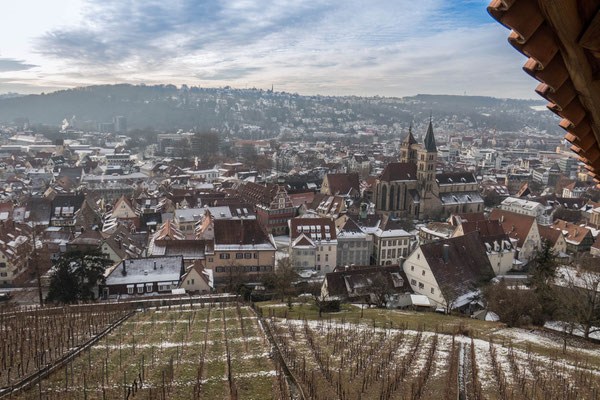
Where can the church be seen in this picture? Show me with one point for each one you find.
(412, 188)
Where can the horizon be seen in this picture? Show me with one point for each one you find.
(229, 87)
(387, 49)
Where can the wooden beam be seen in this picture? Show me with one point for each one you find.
(591, 37)
(565, 20)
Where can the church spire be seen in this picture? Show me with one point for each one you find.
(410, 139)
(429, 141)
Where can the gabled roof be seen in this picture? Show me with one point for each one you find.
(466, 265)
(239, 232)
(516, 226)
(549, 234)
(168, 232)
(484, 228)
(357, 281)
(342, 183)
(573, 234)
(397, 171)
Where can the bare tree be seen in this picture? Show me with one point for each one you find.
(583, 284)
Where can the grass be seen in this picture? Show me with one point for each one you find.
(170, 336)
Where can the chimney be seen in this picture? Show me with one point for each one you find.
(154, 265)
(445, 251)
(124, 271)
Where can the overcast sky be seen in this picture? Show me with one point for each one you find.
(339, 47)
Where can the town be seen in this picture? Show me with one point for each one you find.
(173, 241)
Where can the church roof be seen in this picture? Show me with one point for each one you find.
(429, 141)
(399, 172)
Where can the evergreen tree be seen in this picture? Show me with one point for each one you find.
(76, 274)
(542, 275)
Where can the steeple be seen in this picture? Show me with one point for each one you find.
(409, 139)
(429, 141)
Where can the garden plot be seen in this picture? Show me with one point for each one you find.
(181, 352)
(333, 359)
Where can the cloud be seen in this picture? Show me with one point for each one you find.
(10, 64)
(383, 47)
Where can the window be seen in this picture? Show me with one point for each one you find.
(432, 290)
(192, 281)
(326, 257)
(149, 287)
(220, 269)
(248, 256)
(225, 256)
(255, 255)
(318, 257)
(210, 259)
(130, 289)
(421, 286)
(412, 267)
(140, 289)
(423, 272)
(2, 265)
(413, 282)
(239, 255)
(3, 274)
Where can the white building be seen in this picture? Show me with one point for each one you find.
(527, 207)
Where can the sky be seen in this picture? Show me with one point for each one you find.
(330, 47)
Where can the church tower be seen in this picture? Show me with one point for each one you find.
(426, 166)
(409, 148)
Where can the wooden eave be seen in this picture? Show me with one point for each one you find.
(562, 40)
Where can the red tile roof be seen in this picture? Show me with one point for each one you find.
(561, 41)
(399, 172)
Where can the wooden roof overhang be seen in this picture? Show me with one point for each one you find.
(562, 40)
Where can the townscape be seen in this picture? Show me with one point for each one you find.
(177, 242)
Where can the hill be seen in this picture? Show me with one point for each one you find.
(167, 107)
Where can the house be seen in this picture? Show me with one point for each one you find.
(576, 189)
(499, 248)
(170, 241)
(522, 230)
(313, 244)
(448, 271)
(556, 239)
(354, 245)
(197, 279)
(390, 242)
(527, 207)
(360, 164)
(64, 208)
(236, 248)
(273, 205)
(123, 209)
(143, 277)
(579, 238)
(435, 231)
(15, 249)
(341, 184)
(357, 284)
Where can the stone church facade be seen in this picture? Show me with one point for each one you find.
(412, 189)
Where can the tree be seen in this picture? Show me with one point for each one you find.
(380, 289)
(541, 281)
(491, 199)
(76, 274)
(583, 292)
(513, 305)
(281, 279)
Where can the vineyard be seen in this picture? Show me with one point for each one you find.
(200, 351)
(334, 359)
(225, 351)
